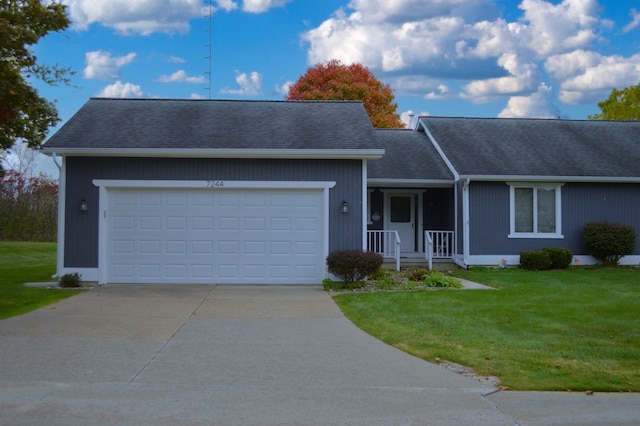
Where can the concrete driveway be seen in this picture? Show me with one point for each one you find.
(249, 355)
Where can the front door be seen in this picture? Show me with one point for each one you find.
(402, 219)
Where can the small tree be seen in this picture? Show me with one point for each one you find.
(609, 242)
(23, 113)
(620, 105)
(336, 81)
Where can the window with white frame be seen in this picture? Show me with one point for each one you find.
(535, 210)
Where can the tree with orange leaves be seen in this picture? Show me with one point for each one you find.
(336, 81)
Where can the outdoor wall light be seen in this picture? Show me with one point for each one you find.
(83, 204)
(345, 206)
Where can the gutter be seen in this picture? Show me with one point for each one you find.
(370, 154)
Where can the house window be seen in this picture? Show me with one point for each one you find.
(535, 211)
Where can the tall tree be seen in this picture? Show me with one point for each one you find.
(620, 105)
(336, 81)
(23, 113)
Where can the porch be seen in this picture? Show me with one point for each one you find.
(439, 249)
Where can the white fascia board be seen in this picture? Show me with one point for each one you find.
(452, 169)
(398, 183)
(531, 178)
(370, 154)
(213, 184)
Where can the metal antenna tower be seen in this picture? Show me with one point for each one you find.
(208, 47)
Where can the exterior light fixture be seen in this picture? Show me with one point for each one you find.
(83, 204)
(345, 206)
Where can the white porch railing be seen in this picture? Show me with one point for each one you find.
(439, 245)
(386, 243)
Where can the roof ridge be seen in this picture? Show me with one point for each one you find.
(560, 120)
(96, 98)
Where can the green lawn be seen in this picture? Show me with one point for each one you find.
(556, 330)
(27, 262)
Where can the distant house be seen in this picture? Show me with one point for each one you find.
(213, 191)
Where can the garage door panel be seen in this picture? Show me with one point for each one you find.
(215, 236)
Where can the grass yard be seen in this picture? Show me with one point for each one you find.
(27, 262)
(575, 329)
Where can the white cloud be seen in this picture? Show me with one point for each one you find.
(284, 89)
(197, 96)
(227, 5)
(523, 77)
(181, 76)
(135, 16)
(430, 48)
(536, 105)
(441, 92)
(176, 60)
(559, 28)
(101, 65)
(259, 6)
(589, 77)
(250, 84)
(121, 90)
(635, 21)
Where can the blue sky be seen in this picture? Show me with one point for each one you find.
(489, 58)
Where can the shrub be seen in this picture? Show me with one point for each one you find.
(535, 260)
(609, 242)
(417, 274)
(437, 279)
(70, 280)
(560, 257)
(353, 265)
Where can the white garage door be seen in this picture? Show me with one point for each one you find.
(251, 236)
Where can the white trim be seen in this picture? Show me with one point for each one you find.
(435, 144)
(431, 183)
(533, 178)
(325, 193)
(221, 153)
(557, 187)
(106, 184)
(102, 235)
(213, 184)
(514, 260)
(365, 205)
(466, 244)
(62, 199)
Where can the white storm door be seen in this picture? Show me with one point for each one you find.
(401, 218)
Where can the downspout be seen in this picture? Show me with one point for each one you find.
(62, 179)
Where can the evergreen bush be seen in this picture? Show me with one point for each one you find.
(609, 242)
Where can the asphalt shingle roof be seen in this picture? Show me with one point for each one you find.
(408, 155)
(215, 124)
(538, 147)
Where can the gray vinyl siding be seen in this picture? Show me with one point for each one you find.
(81, 229)
(581, 203)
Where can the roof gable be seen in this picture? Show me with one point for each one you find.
(172, 124)
(537, 147)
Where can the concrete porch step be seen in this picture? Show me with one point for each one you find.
(406, 263)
